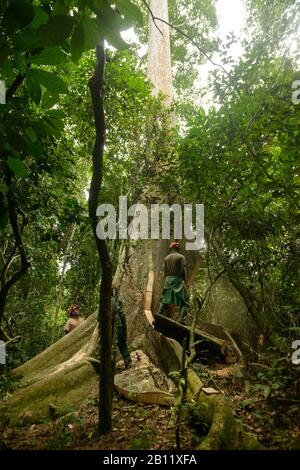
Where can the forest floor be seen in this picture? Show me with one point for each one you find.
(135, 427)
(272, 414)
(274, 419)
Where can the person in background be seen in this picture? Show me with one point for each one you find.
(175, 292)
(119, 328)
(74, 320)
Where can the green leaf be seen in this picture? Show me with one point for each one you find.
(26, 40)
(92, 33)
(54, 121)
(49, 99)
(57, 30)
(40, 17)
(113, 38)
(3, 188)
(111, 23)
(77, 42)
(33, 88)
(101, 6)
(36, 150)
(49, 80)
(85, 37)
(17, 167)
(56, 114)
(18, 15)
(49, 56)
(31, 134)
(130, 11)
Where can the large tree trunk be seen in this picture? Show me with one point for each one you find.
(62, 377)
(159, 51)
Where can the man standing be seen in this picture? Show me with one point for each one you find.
(74, 320)
(119, 328)
(175, 292)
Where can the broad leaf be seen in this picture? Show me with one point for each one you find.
(49, 80)
(57, 30)
(77, 42)
(49, 99)
(114, 39)
(130, 11)
(3, 188)
(18, 15)
(40, 17)
(86, 36)
(33, 88)
(110, 17)
(36, 150)
(17, 167)
(54, 121)
(92, 33)
(49, 56)
(26, 40)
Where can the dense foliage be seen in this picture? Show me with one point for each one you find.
(239, 158)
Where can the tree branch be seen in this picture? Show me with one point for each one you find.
(182, 33)
(13, 218)
(152, 16)
(14, 86)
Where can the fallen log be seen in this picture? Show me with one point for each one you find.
(223, 349)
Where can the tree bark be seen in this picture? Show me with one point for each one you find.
(96, 85)
(221, 348)
(24, 264)
(159, 51)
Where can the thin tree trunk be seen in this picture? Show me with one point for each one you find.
(96, 85)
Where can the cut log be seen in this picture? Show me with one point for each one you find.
(207, 345)
(145, 383)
